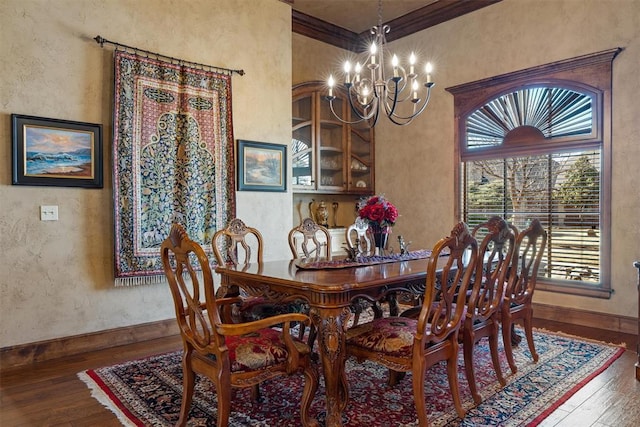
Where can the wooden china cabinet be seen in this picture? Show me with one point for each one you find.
(329, 156)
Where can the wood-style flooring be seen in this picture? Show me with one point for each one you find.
(50, 394)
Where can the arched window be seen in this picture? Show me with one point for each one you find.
(536, 144)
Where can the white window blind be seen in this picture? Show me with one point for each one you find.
(562, 190)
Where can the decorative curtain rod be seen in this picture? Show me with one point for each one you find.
(101, 41)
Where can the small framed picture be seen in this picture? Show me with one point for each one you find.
(261, 166)
(56, 152)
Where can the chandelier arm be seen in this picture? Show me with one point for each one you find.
(330, 99)
(389, 110)
(355, 110)
(376, 114)
(409, 119)
(397, 79)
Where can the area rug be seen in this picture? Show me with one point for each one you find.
(173, 159)
(147, 392)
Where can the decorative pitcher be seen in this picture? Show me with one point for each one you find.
(322, 214)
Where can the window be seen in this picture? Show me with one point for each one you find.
(532, 144)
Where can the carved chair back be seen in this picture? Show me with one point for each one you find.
(310, 239)
(358, 236)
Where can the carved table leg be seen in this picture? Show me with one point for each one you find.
(331, 324)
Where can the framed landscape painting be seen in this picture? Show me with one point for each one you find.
(56, 152)
(261, 166)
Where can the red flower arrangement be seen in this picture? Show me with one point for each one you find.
(378, 211)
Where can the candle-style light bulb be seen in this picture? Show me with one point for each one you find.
(347, 71)
(414, 87)
(330, 82)
(358, 69)
(365, 94)
(412, 62)
(394, 63)
(373, 50)
(429, 70)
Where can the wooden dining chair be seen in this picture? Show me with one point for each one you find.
(229, 354)
(310, 239)
(359, 237)
(482, 313)
(521, 283)
(413, 345)
(239, 244)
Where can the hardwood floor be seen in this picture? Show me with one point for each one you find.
(50, 394)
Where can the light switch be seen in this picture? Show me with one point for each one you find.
(48, 213)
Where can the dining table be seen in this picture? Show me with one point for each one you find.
(329, 286)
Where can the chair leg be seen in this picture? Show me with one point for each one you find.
(495, 358)
(467, 348)
(418, 394)
(515, 338)
(394, 309)
(377, 310)
(395, 377)
(311, 340)
(310, 388)
(255, 393)
(452, 373)
(224, 405)
(188, 383)
(507, 331)
(528, 330)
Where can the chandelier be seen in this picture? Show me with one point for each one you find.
(402, 96)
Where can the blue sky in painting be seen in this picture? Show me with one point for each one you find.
(50, 140)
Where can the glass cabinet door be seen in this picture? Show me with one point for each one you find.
(328, 156)
(302, 143)
(360, 165)
(331, 147)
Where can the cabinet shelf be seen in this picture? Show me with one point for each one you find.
(360, 172)
(331, 150)
(331, 123)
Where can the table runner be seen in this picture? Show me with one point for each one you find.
(361, 261)
(173, 160)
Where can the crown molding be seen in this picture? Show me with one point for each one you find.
(418, 20)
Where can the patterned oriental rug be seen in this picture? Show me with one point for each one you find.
(147, 392)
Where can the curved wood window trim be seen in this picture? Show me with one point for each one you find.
(588, 74)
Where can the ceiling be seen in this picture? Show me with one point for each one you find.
(343, 23)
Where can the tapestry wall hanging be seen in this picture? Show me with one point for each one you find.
(173, 159)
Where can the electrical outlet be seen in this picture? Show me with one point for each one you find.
(48, 213)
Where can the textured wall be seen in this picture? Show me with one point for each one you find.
(414, 163)
(57, 277)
